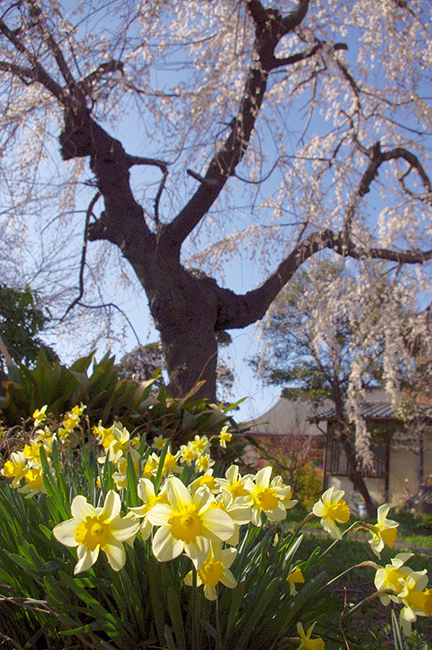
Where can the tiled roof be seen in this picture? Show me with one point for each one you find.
(372, 411)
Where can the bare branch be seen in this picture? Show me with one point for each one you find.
(137, 160)
(40, 22)
(270, 28)
(89, 214)
(238, 311)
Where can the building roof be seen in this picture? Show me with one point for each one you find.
(372, 411)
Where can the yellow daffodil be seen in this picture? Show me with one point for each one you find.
(158, 442)
(34, 483)
(105, 435)
(15, 468)
(187, 523)
(39, 415)
(416, 599)
(206, 479)
(146, 493)
(332, 508)
(187, 455)
(274, 498)
(92, 529)
(215, 569)
(199, 444)
(234, 483)
(295, 578)
(306, 642)
(32, 453)
(384, 533)
(203, 463)
(389, 578)
(224, 437)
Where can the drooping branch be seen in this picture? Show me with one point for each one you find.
(270, 27)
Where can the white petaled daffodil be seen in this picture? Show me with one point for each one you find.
(234, 482)
(384, 533)
(274, 498)
(187, 523)
(389, 578)
(417, 600)
(239, 510)
(148, 496)
(332, 508)
(215, 569)
(92, 529)
(15, 468)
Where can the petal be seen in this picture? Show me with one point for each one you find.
(277, 514)
(111, 508)
(165, 546)
(228, 556)
(86, 558)
(123, 529)
(210, 592)
(177, 492)
(262, 477)
(382, 513)
(80, 509)
(65, 532)
(198, 551)
(329, 525)
(145, 490)
(218, 522)
(115, 553)
(228, 579)
(159, 514)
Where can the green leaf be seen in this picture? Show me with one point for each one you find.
(176, 618)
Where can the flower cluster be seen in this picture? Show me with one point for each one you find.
(185, 509)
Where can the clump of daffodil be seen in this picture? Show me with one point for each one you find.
(305, 638)
(332, 509)
(71, 421)
(384, 533)
(273, 498)
(215, 569)
(187, 523)
(93, 529)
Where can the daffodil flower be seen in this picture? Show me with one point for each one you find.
(187, 523)
(233, 482)
(39, 415)
(199, 444)
(215, 569)
(332, 508)
(295, 577)
(389, 578)
(385, 531)
(274, 498)
(15, 468)
(224, 437)
(148, 496)
(416, 599)
(92, 529)
(158, 442)
(34, 483)
(306, 642)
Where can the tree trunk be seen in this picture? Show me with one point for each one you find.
(354, 475)
(185, 309)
